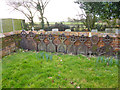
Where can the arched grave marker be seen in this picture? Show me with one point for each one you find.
(82, 48)
(72, 47)
(94, 39)
(62, 47)
(106, 49)
(51, 46)
(31, 43)
(23, 42)
(41, 45)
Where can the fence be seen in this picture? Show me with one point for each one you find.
(9, 25)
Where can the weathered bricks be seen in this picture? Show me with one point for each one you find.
(11, 40)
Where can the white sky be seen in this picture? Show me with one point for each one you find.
(56, 11)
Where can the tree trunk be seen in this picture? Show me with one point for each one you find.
(31, 22)
(42, 22)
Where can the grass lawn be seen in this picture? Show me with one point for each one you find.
(30, 70)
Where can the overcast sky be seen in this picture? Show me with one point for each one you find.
(56, 10)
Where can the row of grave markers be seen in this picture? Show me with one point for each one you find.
(28, 42)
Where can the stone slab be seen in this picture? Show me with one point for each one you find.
(94, 30)
(55, 29)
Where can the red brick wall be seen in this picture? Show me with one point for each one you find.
(10, 42)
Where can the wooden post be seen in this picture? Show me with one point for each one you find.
(22, 25)
(13, 25)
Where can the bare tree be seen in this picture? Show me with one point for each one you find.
(29, 8)
(25, 7)
(40, 6)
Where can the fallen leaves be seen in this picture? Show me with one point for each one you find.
(71, 82)
(52, 81)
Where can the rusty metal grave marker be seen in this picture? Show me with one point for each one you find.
(82, 48)
(62, 47)
(107, 40)
(51, 47)
(72, 47)
(41, 45)
(31, 43)
(23, 42)
(94, 39)
(106, 49)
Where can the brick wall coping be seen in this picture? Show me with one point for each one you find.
(9, 33)
(89, 34)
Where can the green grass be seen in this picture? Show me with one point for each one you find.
(30, 70)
